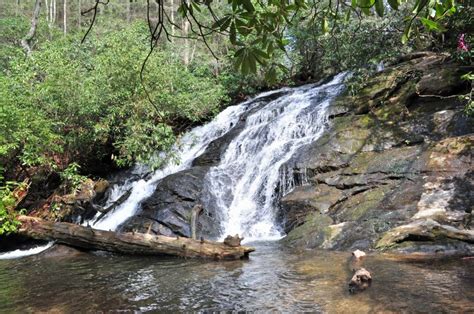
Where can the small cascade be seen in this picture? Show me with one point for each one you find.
(244, 186)
(24, 253)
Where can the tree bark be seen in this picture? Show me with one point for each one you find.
(128, 243)
(46, 5)
(65, 16)
(26, 41)
(129, 14)
(186, 42)
(50, 11)
(79, 20)
(17, 9)
(172, 20)
(54, 11)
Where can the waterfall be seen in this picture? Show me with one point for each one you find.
(245, 183)
(190, 146)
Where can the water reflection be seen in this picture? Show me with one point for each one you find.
(273, 279)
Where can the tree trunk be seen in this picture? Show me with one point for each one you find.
(54, 11)
(17, 9)
(65, 16)
(186, 42)
(46, 5)
(128, 243)
(129, 14)
(79, 21)
(172, 20)
(26, 41)
(50, 19)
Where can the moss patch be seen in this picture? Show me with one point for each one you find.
(312, 233)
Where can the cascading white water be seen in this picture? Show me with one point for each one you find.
(244, 184)
(28, 252)
(190, 146)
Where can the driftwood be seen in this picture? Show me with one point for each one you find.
(361, 279)
(19, 193)
(428, 230)
(119, 201)
(128, 243)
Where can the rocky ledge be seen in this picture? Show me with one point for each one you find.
(395, 168)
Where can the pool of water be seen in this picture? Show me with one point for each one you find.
(273, 278)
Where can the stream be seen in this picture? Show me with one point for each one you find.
(243, 187)
(273, 279)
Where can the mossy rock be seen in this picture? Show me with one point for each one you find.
(312, 233)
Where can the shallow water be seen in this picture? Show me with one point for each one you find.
(273, 279)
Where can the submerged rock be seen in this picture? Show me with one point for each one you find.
(361, 280)
(399, 153)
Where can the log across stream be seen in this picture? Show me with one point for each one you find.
(128, 243)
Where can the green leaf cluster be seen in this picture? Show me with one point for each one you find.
(8, 222)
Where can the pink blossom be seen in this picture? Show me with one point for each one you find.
(462, 43)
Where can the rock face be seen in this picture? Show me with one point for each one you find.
(398, 154)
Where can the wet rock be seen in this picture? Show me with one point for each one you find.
(60, 251)
(233, 241)
(358, 254)
(389, 158)
(168, 210)
(361, 280)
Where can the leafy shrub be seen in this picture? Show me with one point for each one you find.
(72, 102)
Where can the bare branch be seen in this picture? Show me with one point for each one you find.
(93, 9)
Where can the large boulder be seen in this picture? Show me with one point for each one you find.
(168, 210)
(399, 153)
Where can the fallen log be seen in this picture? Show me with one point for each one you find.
(128, 243)
(119, 201)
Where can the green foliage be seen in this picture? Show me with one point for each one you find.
(464, 57)
(258, 30)
(72, 102)
(25, 133)
(347, 48)
(469, 109)
(71, 176)
(8, 221)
